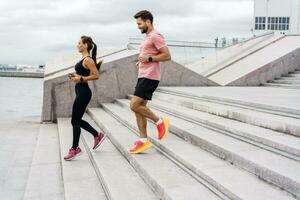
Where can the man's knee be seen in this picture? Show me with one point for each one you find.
(134, 106)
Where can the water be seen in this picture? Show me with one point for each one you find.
(20, 97)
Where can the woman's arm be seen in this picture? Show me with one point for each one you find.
(89, 64)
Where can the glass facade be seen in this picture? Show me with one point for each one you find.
(273, 23)
(260, 23)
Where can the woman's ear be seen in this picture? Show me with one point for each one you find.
(85, 45)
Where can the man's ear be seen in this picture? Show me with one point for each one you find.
(148, 22)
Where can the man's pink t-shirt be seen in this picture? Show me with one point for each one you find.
(151, 45)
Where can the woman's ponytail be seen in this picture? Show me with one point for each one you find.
(94, 52)
(94, 56)
(92, 46)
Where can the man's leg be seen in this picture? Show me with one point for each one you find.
(142, 123)
(143, 144)
(139, 105)
(142, 109)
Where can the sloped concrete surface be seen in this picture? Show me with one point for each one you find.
(118, 77)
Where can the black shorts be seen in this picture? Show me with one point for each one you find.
(145, 88)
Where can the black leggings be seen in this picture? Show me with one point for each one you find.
(83, 97)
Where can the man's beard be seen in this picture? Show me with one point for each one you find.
(145, 30)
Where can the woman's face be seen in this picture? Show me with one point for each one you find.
(81, 47)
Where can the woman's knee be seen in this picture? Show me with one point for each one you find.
(75, 122)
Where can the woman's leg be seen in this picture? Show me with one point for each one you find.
(86, 126)
(75, 121)
(82, 100)
(83, 96)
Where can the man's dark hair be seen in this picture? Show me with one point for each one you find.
(144, 15)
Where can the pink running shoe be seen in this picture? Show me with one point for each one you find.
(72, 153)
(98, 140)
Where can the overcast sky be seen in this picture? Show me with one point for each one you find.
(33, 31)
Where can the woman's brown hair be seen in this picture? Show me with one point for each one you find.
(91, 46)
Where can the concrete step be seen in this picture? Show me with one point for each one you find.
(287, 125)
(277, 110)
(232, 181)
(295, 75)
(118, 177)
(283, 144)
(267, 165)
(165, 177)
(288, 86)
(287, 81)
(18, 140)
(289, 78)
(79, 177)
(45, 180)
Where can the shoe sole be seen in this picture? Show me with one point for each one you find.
(166, 121)
(99, 143)
(142, 149)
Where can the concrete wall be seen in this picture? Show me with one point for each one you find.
(224, 57)
(118, 76)
(66, 61)
(23, 74)
(263, 65)
(270, 71)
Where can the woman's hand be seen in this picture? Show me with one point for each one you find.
(70, 75)
(76, 78)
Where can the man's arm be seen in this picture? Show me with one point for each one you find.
(164, 55)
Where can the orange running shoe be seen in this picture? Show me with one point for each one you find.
(140, 147)
(163, 128)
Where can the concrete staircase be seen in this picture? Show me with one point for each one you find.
(216, 149)
(291, 80)
(45, 180)
(223, 57)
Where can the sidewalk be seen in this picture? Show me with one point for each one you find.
(17, 144)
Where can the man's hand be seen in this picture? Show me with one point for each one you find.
(143, 59)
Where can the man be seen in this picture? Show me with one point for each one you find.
(153, 50)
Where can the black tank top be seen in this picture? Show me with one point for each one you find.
(80, 70)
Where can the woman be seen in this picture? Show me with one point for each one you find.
(86, 70)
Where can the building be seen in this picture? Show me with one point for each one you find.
(282, 16)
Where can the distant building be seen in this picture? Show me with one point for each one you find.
(22, 68)
(8, 67)
(282, 16)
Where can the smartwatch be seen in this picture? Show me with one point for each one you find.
(150, 59)
(81, 79)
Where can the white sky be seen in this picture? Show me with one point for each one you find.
(33, 31)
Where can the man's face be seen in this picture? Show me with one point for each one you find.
(142, 25)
